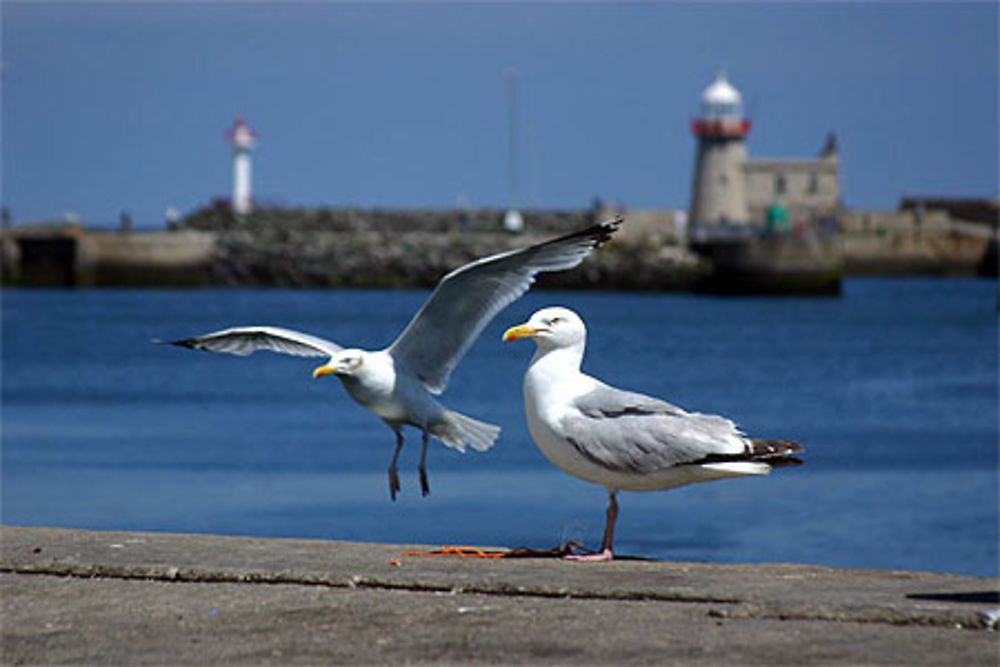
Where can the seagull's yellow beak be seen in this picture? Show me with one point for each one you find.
(519, 332)
(325, 369)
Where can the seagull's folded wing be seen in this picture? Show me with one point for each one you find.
(246, 340)
(628, 432)
(466, 299)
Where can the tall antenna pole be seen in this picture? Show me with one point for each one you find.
(513, 221)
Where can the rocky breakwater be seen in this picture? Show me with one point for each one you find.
(397, 248)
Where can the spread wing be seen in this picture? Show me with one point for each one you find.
(629, 432)
(466, 299)
(247, 340)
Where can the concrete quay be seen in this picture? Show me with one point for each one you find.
(73, 596)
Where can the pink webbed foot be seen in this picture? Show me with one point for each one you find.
(600, 557)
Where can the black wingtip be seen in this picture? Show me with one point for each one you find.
(190, 343)
(603, 231)
(768, 449)
(598, 233)
(775, 453)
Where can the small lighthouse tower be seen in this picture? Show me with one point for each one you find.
(719, 194)
(243, 139)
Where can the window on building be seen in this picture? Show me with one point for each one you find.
(779, 184)
(813, 183)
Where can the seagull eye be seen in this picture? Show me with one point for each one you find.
(555, 320)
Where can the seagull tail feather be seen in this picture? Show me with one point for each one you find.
(457, 430)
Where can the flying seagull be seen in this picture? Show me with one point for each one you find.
(620, 439)
(399, 383)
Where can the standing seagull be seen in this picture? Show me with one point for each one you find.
(620, 439)
(397, 383)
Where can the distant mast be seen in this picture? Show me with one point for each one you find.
(243, 139)
(513, 221)
(719, 195)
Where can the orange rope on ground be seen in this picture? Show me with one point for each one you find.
(461, 552)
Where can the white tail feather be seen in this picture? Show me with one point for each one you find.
(457, 431)
(737, 468)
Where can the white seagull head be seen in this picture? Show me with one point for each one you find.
(550, 328)
(346, 363)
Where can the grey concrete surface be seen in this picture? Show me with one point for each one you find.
(69, 596)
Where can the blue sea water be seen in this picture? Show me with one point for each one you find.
(892, 389)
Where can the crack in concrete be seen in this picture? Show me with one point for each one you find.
(173, 574)
(735, 607)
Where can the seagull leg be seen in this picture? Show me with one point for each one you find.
(606, 552)
(393, 474)
(609, 526)
(425, 487)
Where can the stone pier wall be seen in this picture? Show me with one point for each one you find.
(414, 248)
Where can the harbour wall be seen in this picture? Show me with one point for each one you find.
(917, 242)
(330, 248)
(69, 256)
(414, 248)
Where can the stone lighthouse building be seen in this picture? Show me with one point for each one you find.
(719, 195)
(732, 189)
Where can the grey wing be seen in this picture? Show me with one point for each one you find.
(466, 299)
(629, 432)
(247, 340)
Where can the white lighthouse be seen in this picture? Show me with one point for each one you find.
(243, 139)
(719, 195)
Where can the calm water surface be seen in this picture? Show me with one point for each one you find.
(892, 389)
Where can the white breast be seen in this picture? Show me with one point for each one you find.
(393, 397)
(550, 385)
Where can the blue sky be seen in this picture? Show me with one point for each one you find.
(111, 107)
